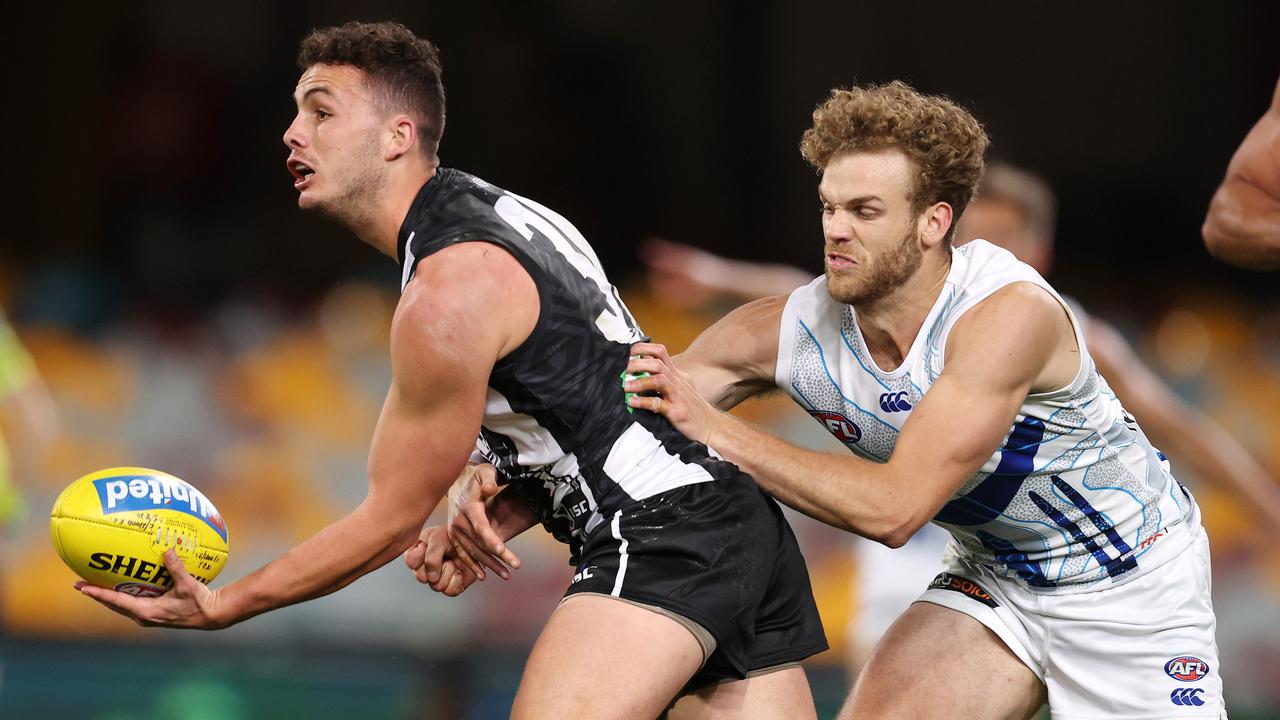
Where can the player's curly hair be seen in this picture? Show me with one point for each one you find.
(403, 71)
(944, 141)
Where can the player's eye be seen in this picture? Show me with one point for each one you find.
(827, 209)
(322, 115)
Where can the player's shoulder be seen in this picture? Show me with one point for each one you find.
(977, 264)
(474, 275)
(811, 300)
(472, 301)
(1013, 307)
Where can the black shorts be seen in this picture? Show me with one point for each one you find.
(720, 554)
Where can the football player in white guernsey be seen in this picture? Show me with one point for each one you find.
(1078, 572)
(1015, 209)
(1243, 224)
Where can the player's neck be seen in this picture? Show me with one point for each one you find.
(381, 228)
(889, 325)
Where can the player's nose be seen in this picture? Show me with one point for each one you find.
(293, 135)
(837, 227)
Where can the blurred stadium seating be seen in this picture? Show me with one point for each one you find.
(270, 411)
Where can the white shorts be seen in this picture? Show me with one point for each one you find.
(1144, 650)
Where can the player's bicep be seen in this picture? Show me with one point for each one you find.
(444, 343)
(735, 358)
(995, 356)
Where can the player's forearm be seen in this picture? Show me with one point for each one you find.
(846, 492)
(1243, 225)
(333, 558)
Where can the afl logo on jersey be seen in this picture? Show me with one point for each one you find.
(1186, 668)
(845, 430)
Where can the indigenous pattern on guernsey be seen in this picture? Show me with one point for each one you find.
(1075, 495)
(555, 420)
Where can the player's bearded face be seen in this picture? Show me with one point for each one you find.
(869, 224)
(879, 273)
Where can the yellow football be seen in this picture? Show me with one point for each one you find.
(113, 526)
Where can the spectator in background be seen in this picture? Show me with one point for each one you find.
(1016, 210)
(1243, 225)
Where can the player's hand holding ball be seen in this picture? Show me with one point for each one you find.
(145, 542)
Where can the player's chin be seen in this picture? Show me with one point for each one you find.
(310, 200)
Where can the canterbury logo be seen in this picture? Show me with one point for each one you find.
(1187, 696)
(894, 402)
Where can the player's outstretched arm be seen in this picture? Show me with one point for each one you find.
(1243, 225)
(1016, 341)
(735, 358)
(444, 342)
(1188, 435)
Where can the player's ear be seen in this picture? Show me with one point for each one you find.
(403, 136)
(935, 223)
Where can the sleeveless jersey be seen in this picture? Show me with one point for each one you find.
(1074, 497)
(556, 424)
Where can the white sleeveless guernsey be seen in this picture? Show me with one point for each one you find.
(1075, 497)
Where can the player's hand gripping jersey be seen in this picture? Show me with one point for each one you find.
(1075, 495)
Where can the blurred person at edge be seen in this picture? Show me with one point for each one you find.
(1016, 210)
(1243, 224)
(508, 345)
(29, 419)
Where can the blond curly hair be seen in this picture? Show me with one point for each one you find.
(942, 140)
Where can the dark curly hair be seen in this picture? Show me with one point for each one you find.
(944, 141)
(403, 71)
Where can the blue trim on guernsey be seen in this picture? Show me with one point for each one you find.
(1114, 566)
(1014, 559)
(990, 497)
(1099, 520)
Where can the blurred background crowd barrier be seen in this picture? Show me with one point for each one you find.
(185, 316)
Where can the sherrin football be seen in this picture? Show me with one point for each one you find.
(113, 526)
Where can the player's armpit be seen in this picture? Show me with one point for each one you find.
(735, 358)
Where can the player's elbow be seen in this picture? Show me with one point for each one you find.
(899, 535)
(395, 526)
(892, 530)
(1242, 227)
(1219, 240)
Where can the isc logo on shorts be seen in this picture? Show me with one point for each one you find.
(1186, 668)
(845, 430)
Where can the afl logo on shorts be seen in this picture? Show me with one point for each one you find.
(1186, 668)
(845, 430)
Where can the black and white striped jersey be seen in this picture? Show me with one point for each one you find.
(555, 419)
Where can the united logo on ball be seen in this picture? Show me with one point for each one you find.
(112, 527)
